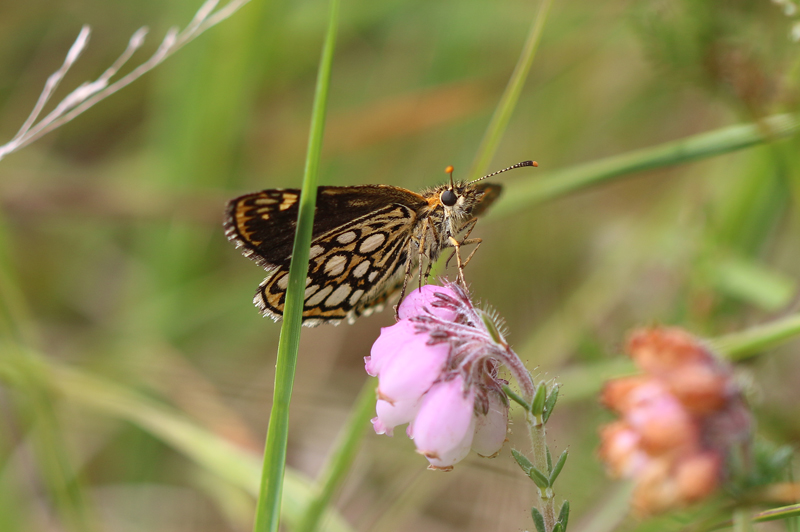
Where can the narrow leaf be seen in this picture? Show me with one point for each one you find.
(563, 515)
(550, 403)
(537, 405)
(559, 466)
(538, 478)
(522, 460)
(516, 398)
(538, 520)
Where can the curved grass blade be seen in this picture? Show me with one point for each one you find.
(269, 500)
(231, 463)
(508, 101)
(342, 456)
(521, 194)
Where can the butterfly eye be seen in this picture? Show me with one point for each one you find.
(448, 198)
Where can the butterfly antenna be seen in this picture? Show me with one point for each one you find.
(518, 165)
(449, 170)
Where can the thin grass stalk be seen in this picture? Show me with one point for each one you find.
(521, 194)
(340, 460)
(585, 382)
(508, 101)
(216, 455)
(269, 501)
(750, 342)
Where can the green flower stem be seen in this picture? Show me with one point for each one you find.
(522, 193)
(342, 457)
(539, 451)
(750, 342)
(508, 101)
(269, 501)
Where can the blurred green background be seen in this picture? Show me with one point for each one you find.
(115, 268)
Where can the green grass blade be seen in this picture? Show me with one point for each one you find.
(784, 512)
(269, 500)
(342, 457)
(521, 194)
(214, 454)
(508, 101)
(744, 344)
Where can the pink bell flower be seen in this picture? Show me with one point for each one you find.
(437, 369)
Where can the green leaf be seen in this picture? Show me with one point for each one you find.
(558, 527)
(537, 405)
(751, 282)
(549, 460)
(516, 398)
(558, 467)
(539, 478)
(550, 403)
(538, 520)
(563, 515)
(522, 461)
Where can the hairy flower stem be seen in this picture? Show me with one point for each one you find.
(539, 450)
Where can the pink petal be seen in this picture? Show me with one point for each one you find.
(390, 341)
(490, 430)
(391, 415)
(412, 370)
(414, 302)
(445, 423)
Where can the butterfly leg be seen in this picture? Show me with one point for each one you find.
(426, 226)
(429, 265)
(406, 275)
(477, 242)
(457, 245)
(464, 241)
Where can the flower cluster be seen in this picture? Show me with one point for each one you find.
(679, 420)
(437, 369)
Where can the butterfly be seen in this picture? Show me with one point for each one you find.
(365, 244)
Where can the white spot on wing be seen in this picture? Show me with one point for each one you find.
(371, 243)
(361, 269)
(355, 297)
(335, 265)
(346, 238)
(310, 290)
(283, 282)
(315, 251)
(338, 295)
(317, 298)
(373, 275)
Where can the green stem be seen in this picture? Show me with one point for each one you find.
(744, 344)
(508, 101)
(523, 193)
(539, 452)
(342, 457)
(773, 514)
(269, 501)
